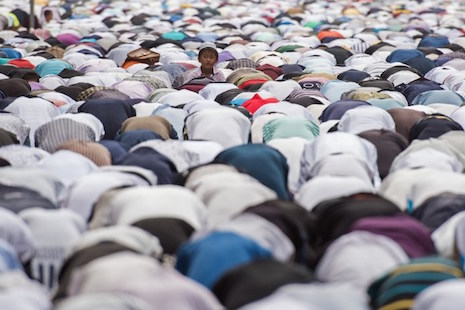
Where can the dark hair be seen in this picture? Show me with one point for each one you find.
(211, 49)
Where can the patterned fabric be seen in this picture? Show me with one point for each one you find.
(14, 124)
(92, 150)
(87, 93)
(155, 123)
(397, 289)
(288, 127)
(52, 134)
(241, 63)
(20, 155)
(153, 82)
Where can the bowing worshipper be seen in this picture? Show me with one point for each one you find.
(20, 292)
(398, 288)
(97, 243)
(244, 284)
(443, 295)
(143, 277)
(208, 57)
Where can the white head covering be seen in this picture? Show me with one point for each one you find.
(444, 108)
(52, 81)
(427, 157)
(292, 149)
(280, 90)
(94, 80)
(440, 74)
(439, 145)
(180, 97)
(322, 296)
(327, 187)
(442, 295)
(459, 116)
(228, 193)
(57, 98)
(345, 165)
(263, 232)
(103, 301)
(366, 118)
(78, 59)
(36, 179)
(143, 277)
(86, 191)
(130, 236)
(146, 108)
(17, 291)
(17, 233)
(14, 124)
(326, 126)
(396, 186)
(210, 91)
(21, 155)
(134, 89)
(197, 105)
(440, 182)
(120, 53)
(339, 143)
(54, 233)
(286, 108)
(172, 149)
(456, 139)
(202, 152)
(133, 204)
(224, 125)
(96, 65)
(358, 258)
(34, 111)
(444, 237)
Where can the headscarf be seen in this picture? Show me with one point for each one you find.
(410, 234)
(201, 261)
(273, 171)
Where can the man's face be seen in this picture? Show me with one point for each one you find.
(208, 59)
